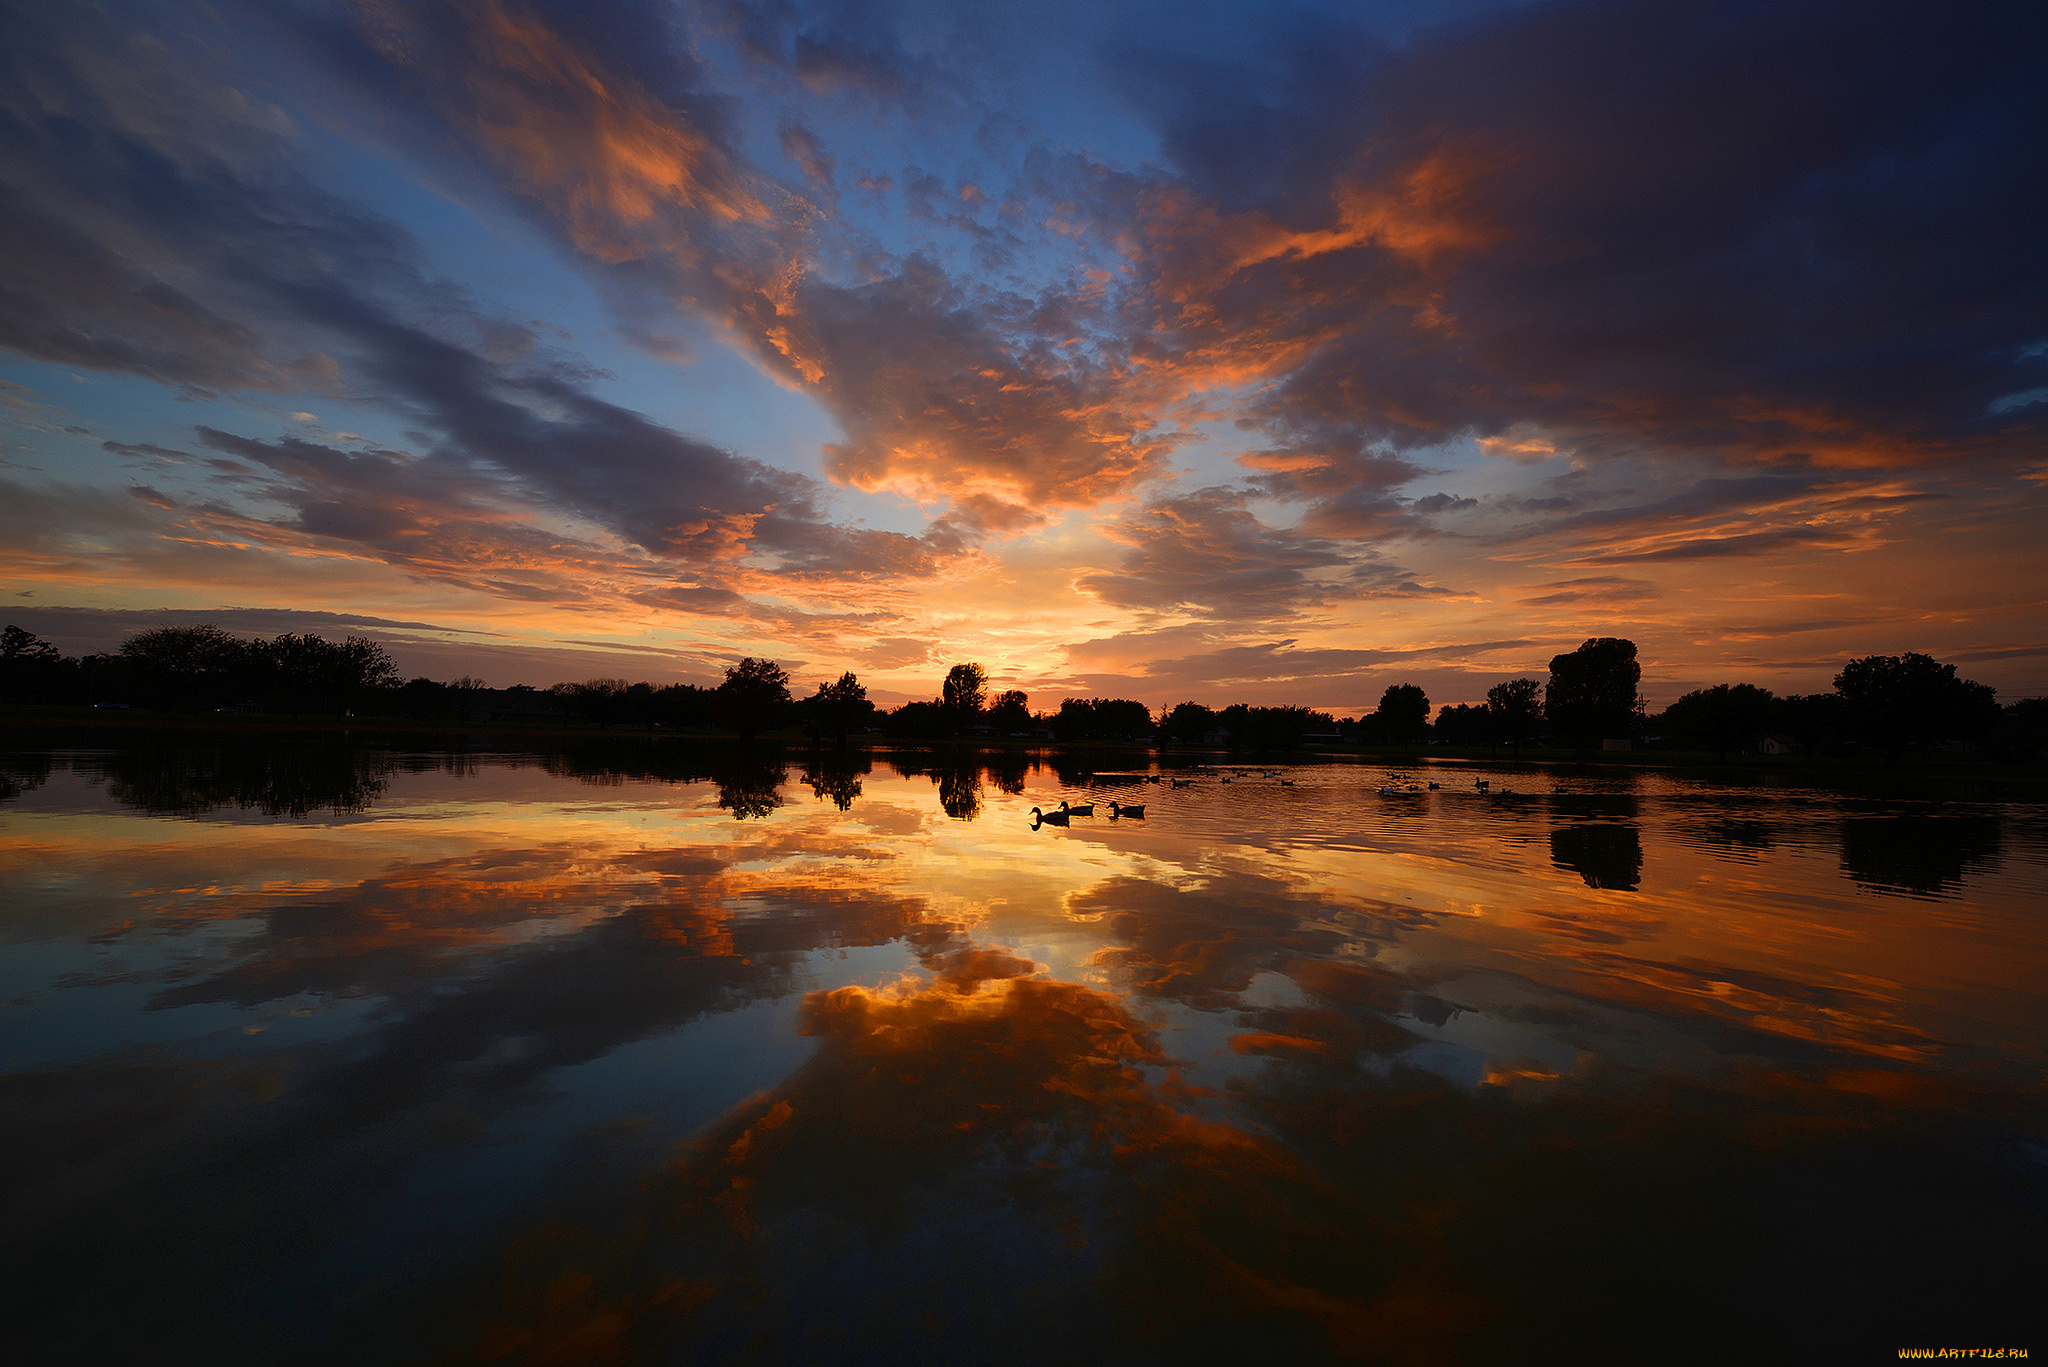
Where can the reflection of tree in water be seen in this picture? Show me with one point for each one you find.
(1075, 767)
(1007, 771)
(1734, 835)
(20, 773)
(289, 777)
(749, 781)
(836, 777)
(960, 791)
(1605, 856)
(1923, 856)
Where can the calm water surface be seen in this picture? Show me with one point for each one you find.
(321, 1052)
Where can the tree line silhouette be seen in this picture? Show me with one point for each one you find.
(1886, 704)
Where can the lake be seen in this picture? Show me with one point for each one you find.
(320, 1051)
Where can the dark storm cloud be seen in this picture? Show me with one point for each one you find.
(1741, 230)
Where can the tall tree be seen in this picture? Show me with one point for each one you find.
(753, 696)
(842, 705)
(30, 667)
(1403, 713)
(1011, 710)
(1721, 718)
(1188, 723)
(1460, 724)
(1592, 693)
(184, 667)
(1517, 708)
(963, 692)
(1898, 701)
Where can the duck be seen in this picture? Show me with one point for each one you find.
(1184, 782)
(1482, 784)
(1084, 809)
(1039, 818)
(1434, 785)
(1286, 783)
(1226, 778)
(1120, 809)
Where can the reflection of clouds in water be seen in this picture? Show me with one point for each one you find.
(990, 1161)
(979, 1160)
(983, 1155)
(1203, 943)
(126, 1157)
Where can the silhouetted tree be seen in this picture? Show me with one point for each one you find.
(681, 705)
(1403, 713)
(1464, 724)
(1517, 708)
(753, 697)
(597, 700)
(917, 720)
(31, 669)
(1898, 701)
(1721, 718)
(1818, 721)
(1187, 723)
(2024, 728)
(1102, 719)
(1592, 692)
(963, 692)
(1011, 711)
(841, 705)
(1271, 728)
(304, 672)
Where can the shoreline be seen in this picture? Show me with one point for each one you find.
(39, 725)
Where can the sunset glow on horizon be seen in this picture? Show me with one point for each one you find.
(1247, 353)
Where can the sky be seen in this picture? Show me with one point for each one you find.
(1272, 352)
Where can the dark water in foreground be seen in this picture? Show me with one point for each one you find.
(311, 1053)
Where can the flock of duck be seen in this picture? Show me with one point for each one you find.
(1483, 785)
(1067, 811)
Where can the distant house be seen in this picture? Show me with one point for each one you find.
(1776, 744)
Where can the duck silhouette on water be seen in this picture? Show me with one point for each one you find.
(1039, 818)
(1117, 809)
